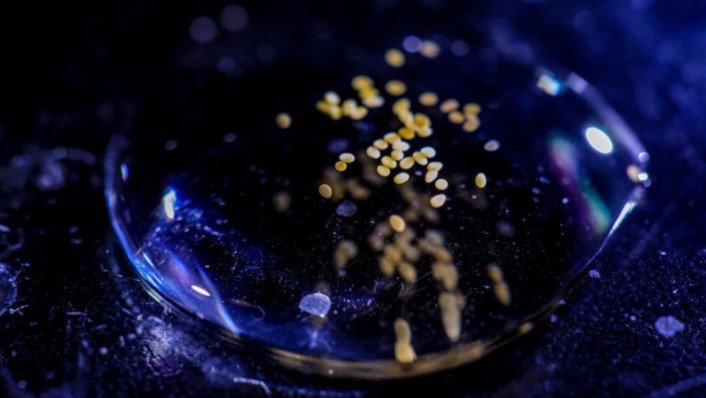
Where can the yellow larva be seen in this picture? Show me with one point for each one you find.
(430, 176)
(387, 267)
(407, 272)
(347, 157)
(402, 331)
(392, 253)
(391, 137)
(345, 251)
(388, 162)
(400, 106)
(360, 82)
(401, 178)
(441, 184)
(471, 108)
(282, 201)
(502, 293)
(420, 158)
(380, 144)
(383, 171)
(332, 98)
(397, 223)
(349, 107)
(283, 120)
(428, 99)
(472, 123)
(449, 105)
(374, 101)
(373, 152)
(456, 117)
(495, 273)
(395, 88)
(437, 201)
(397, 155)
(341, 166)
(404, 353)
(401, 145)
(481, 180)
(428, 151)
(424, 131)
(435, 166)
(325, 191)
(407, 163)
(406, 133)
(422, 120)
(394, 57)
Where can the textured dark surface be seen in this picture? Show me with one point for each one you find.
(80, 324)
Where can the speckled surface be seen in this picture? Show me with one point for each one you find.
(75, 321)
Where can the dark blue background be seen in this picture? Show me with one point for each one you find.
(71, 75)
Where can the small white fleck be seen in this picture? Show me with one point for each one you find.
(594, 274)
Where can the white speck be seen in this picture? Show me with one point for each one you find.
(202, 30)
(633, 318)
(599, 140)
(491, 146)
(103, 351)
(234, 17)
(565, 201)
(668, 326)
(594, 274)
(316, 304)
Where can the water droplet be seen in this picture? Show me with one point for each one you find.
(316, 304)
(463, 264)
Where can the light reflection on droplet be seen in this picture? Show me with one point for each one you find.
(599, 140)
(200, 290)
(168, 201)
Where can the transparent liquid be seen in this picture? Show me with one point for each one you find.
(221, 208)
